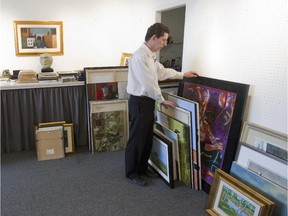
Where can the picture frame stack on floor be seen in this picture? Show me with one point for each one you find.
(183, 121)
(107, 104)
(208, 121)
(54, 140)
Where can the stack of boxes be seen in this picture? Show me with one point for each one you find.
(50, 143)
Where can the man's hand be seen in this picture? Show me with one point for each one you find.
(190, 74)
(167, 103)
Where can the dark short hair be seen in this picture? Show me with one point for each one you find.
(157, 29)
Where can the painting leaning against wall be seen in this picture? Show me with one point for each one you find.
(221, 107)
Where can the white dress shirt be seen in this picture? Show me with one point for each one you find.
(144, 73)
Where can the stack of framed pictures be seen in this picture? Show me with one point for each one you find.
(229, 196)
(107, 103)
(263, 163)
(182, 121)
(221, 108)
(267, 188)
(183, 133)
(68, 134)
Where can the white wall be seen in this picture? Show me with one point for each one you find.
(242, 41)
(96, 32)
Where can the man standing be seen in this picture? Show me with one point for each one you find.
(143, 75)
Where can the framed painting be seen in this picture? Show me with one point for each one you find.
(161, 158)
(102, 91)
(69, 137)
(272, 191)
(38, 37)
(125, 59)
(108, 125)
(183, 133)
(229, 196)
(221, 108)
(106, 74)
(261, 162)
(166, 132)
(271, 141)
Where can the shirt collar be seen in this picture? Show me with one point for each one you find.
(148, 51)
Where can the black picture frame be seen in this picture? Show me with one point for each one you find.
(232, 97)
(161, 143)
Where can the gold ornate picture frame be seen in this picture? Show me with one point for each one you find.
(38, 37)
(125, 58)
(229, 196)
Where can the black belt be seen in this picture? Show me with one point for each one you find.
(140, 98)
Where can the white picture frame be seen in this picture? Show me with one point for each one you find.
(259, 161)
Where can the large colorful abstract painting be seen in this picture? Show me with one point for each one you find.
(221, 107)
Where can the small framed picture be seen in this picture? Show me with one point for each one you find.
(268, 140)
(125, 59)
(228, 196)
(161, 158)
(69, 137)
(38, 37)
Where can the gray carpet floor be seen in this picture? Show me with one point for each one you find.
(84, 184)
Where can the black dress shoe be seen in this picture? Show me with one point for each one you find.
(139, 181)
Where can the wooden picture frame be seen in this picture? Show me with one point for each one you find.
(69, 137)
(161, 158)
(270, 141)
(51, 124)
(125, 58)
(38, 37)
(106, 74)
(222, 198)
(221, 108)
(109, 125)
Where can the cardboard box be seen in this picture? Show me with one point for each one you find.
(50, 149)
(47, 133)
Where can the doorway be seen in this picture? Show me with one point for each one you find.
(171, 55)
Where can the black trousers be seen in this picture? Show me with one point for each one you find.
(139, 146)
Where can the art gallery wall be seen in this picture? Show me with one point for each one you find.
(243, 41)
(240, 41)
